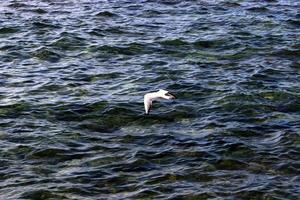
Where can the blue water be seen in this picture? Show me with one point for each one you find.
(72, 79)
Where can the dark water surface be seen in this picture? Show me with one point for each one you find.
(72, 79)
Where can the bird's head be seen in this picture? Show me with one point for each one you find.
(165, 94)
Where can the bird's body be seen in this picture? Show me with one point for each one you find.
(154, 96)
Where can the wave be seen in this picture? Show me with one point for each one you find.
(8, 30)
(106, 14)
(46, 54)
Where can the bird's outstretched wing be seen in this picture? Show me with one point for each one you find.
(147, 104)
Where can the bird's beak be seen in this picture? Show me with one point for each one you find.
(172, 96)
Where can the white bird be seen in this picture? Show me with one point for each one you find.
(154, 96)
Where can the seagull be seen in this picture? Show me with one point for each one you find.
(153, 96)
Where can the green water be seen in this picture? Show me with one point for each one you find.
(72, 79)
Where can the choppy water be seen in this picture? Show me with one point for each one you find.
(73, 75)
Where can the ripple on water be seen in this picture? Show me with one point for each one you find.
(106, 14)
(44, 24)
(46, 54)
(210, 43)
(41, 194)
(258, 9)
(8, 30)
(38, 11)
(14, 109)
(73, 76)
(294, 22)
(68, 43)
(174, 42)
(18, 5)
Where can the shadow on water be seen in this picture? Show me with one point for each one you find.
(105, 117)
